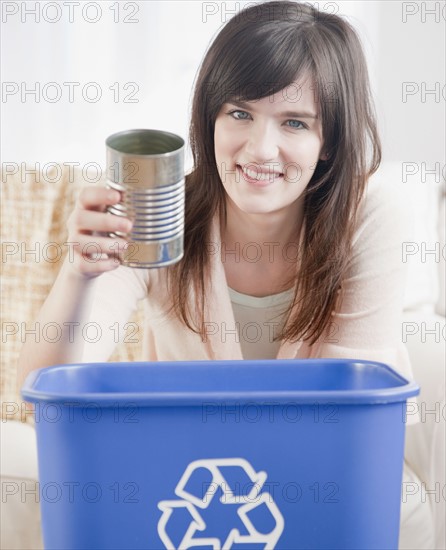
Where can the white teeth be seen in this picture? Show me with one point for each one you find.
(260, 176)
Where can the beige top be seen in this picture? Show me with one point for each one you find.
(258, 321)
(366, 326)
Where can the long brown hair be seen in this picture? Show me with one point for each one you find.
(259, 52)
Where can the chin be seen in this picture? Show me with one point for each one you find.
(252, 209)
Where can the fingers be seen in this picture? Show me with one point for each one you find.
(90, 216)
(98, 198)
(92, 247)
(89, 226)
(90, 221)
(94, 255)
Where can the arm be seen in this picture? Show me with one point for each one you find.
(367, 324)
(81, 288)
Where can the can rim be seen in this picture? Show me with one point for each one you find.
(145, 130)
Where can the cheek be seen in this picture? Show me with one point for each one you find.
(308, 153)
(301, 161)
(217, 141)
(220, 146)
(224, 139)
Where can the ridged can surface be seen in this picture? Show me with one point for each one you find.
(147, 168)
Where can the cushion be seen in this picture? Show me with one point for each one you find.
(35, 208)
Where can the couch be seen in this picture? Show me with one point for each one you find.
(36, 201)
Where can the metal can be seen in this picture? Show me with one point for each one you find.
(147, 168)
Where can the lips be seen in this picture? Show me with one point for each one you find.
(259, 177)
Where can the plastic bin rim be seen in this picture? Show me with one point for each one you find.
(109, 399)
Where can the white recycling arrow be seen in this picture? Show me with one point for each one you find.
(248, 502)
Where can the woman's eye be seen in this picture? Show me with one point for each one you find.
(236, 117)
(295, 124)
(298, 124)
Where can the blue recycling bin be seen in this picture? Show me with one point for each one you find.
(284, 454)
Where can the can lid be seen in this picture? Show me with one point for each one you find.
(180, 383)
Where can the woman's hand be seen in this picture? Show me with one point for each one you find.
(88, 225)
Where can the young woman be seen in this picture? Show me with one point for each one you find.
(289, 253)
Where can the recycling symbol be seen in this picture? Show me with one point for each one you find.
(215, 493)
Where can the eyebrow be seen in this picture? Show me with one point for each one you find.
(302, 114)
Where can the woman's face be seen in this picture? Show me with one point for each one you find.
(267, 150)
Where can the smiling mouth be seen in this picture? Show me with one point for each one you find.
(253, 176)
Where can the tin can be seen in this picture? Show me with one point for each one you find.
(147, 168)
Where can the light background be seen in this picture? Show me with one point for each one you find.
(161, 53)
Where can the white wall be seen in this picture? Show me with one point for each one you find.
(161, 52)
(411, 61)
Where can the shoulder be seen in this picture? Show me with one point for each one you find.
(385, 212)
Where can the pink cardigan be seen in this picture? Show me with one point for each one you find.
(368, 325)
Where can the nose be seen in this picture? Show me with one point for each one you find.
(262, 145)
